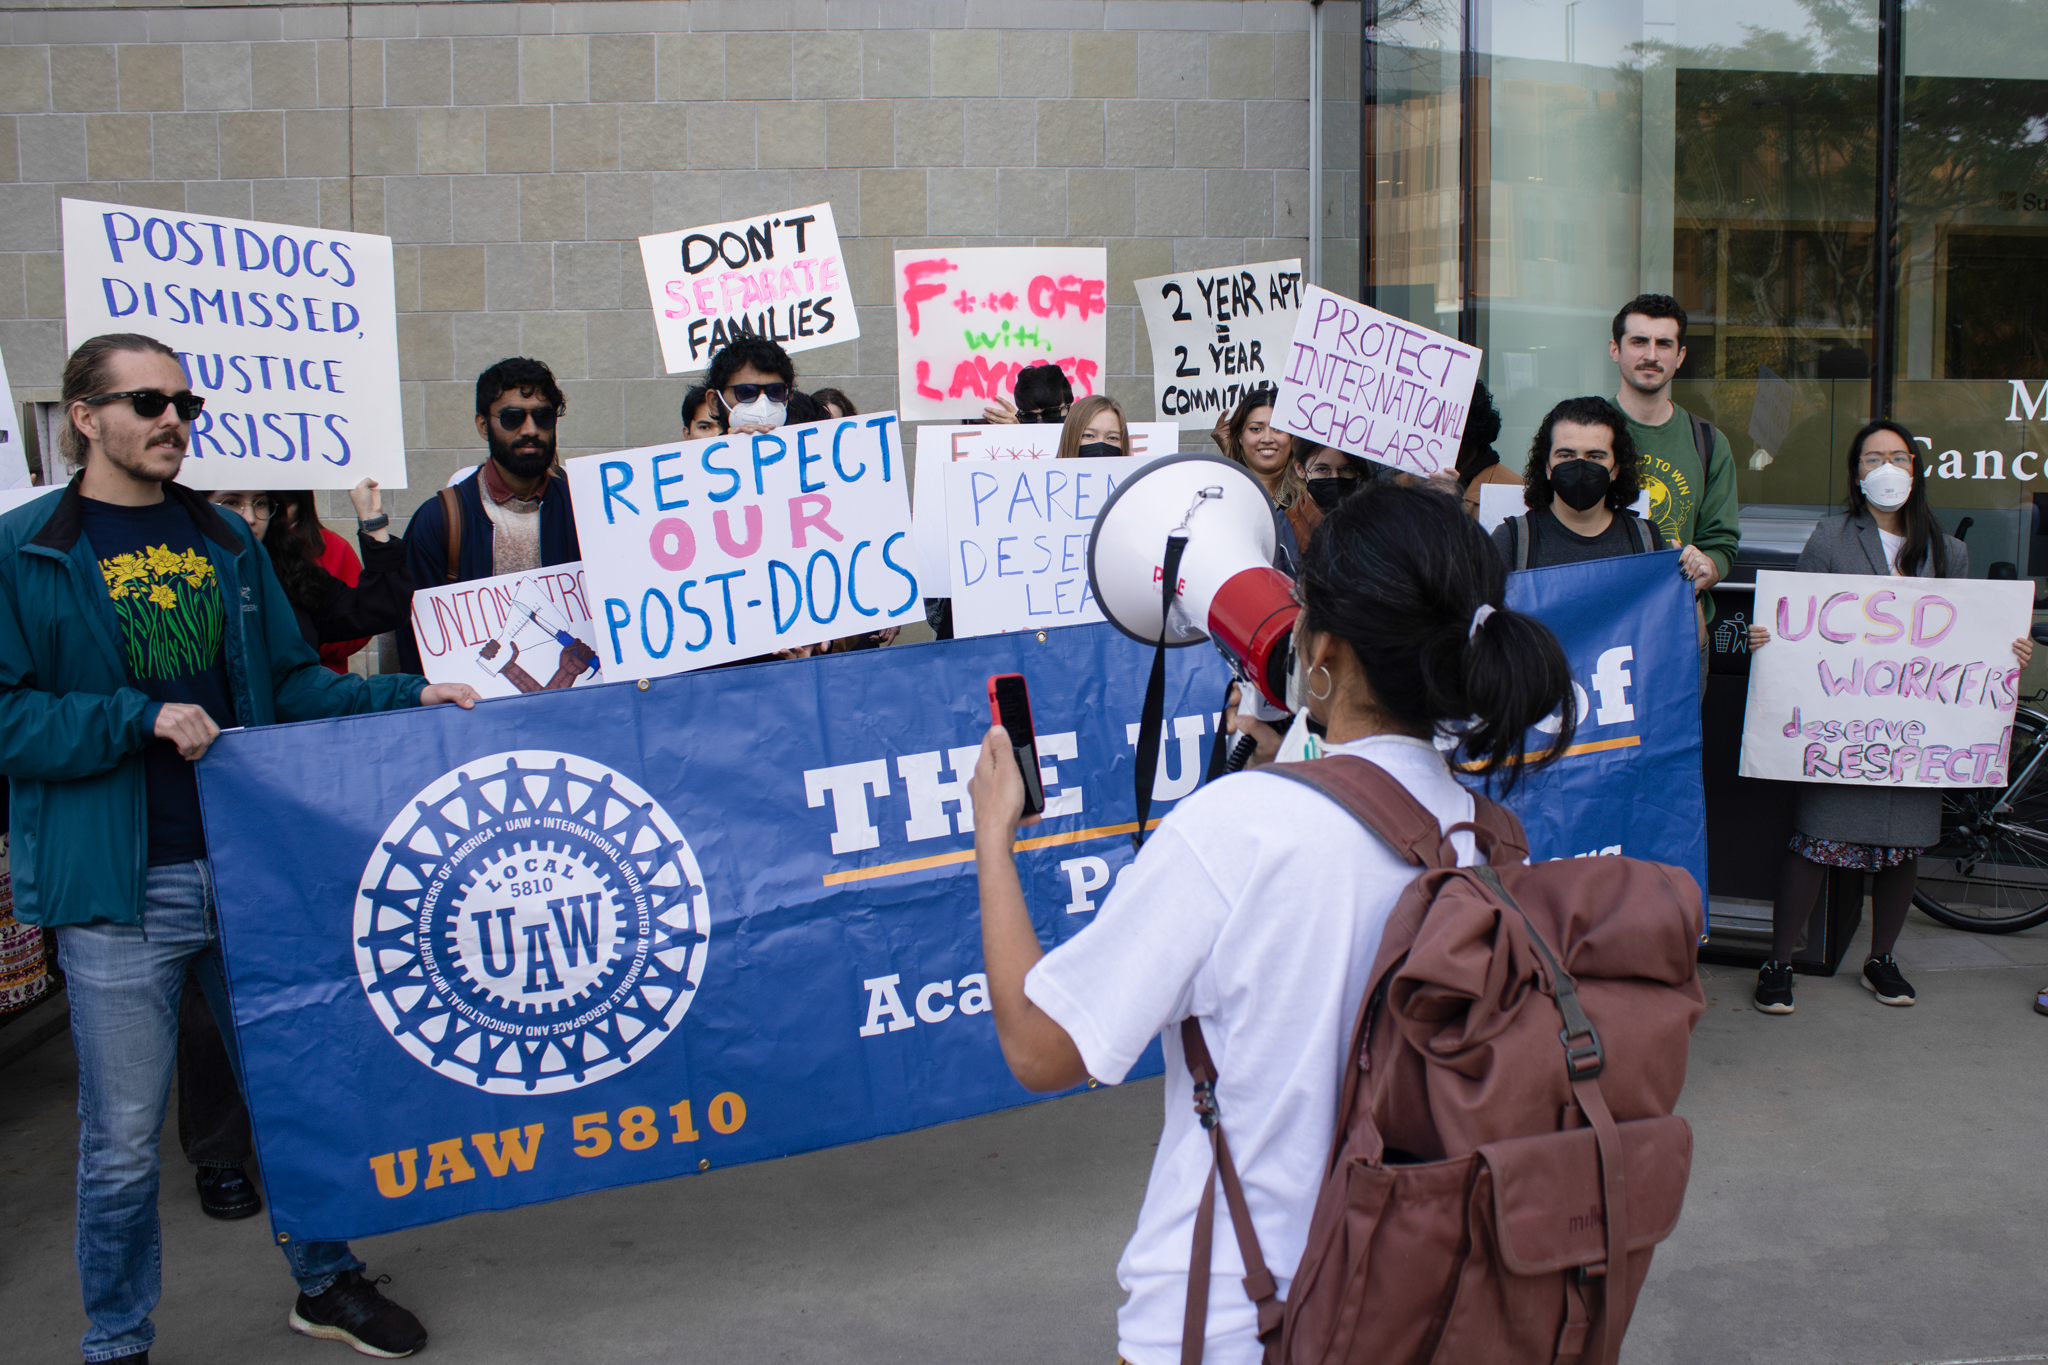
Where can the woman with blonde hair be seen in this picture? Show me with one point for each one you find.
(1253, 441)
(1095, 429)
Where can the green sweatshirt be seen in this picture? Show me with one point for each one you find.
(1690, 505)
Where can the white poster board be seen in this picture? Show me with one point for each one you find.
(1375, 386)
(527, 632)
(289, 333)
(1217, 335)
(1499, 501)
(11, 498)
(709, 551)
(938, 446)
(1885, 682)
(14, 471)
(1017, 540)
(780, 277)
(969, 319)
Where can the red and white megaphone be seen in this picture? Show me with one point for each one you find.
(1227, 590)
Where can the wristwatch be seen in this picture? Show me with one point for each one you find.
(376, 523)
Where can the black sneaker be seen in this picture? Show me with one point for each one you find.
(225, 1192)
(1881, 977)
(1774, 987)
(353, 1311)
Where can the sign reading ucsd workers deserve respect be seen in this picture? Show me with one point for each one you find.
(1017, 539)
(709, 551)
(289, 333)
(968, 320)
(779, 277)
(1374, 385)
(524, 632)
(1884, 681)
(1217, 335)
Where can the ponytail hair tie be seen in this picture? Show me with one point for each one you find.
(1479, 615)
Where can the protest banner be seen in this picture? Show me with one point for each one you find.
(1217, 335)
(787, 538)
(968, 319)
(1374, 385)
(14, 470)
(1017, 540)
(780, 277)
(289, 333)
(937, 446)
(521, 632)
(1887, 682)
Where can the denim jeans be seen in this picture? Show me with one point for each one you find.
(125, 983)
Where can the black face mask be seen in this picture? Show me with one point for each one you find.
(1098, 450)
(1327, 493)
(1581, 483)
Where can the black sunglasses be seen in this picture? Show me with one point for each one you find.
(150, 403)
(511, 419)
(747, 393)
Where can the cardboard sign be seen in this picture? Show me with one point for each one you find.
(1217, 335)
(723, 549)
(939, 446)
(525, 632)
(1374, 385)
(14, 471)
(1017, 540)
(1889, 682)
(289, 333)
(779, 277)
(968, 320)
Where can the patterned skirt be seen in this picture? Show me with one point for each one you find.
(1857, 857)
(24, 970)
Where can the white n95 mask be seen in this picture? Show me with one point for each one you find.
(1887, 487)
(760, 413)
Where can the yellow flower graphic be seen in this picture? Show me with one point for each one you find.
(163, 597)
(184, 632)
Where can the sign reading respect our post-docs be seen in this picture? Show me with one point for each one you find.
(709, 551)
(779, 276)
(1217, 335)
(524, 632)
(1374, 385)
(1017, 540)
(1884, 682)
(969, 320)
(289, 333)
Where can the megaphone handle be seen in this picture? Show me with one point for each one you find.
(1154, 716)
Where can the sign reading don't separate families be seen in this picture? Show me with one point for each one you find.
(1217, 335)
(1017, 540)
(526, 632)
(780, 277)
(1889, 682)
(710, 551)
(968, 320)
(1374, 385)
(289, 333)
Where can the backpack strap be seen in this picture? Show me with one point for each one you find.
(451, 509)
(1521, 540)
(1259, 1285)
(1638, 533)
(1374, 799)
(1702, 438)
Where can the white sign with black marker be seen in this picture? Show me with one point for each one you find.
(780, 277)
(1217, 335)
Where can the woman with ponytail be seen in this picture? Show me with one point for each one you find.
(1889, 529)
(1257, 905)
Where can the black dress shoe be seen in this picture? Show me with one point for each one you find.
(225, 1192)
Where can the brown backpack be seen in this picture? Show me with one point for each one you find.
(1497, 1183)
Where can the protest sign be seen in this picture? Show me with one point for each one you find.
(786, 538)
(523, 632)
(1217, 335)
(779, 277)
(1374, 385)
(14, 470)
(1889, 682)
(1499, 501)
(11, 498)
(967, 320)
(1017, 540)
(937, 446)
(289, 333)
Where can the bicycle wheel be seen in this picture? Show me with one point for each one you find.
(1989, 873)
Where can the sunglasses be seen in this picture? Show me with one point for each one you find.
(512, 419)
(149, 403)
(747, 393)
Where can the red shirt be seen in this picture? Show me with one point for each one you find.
(338, 557)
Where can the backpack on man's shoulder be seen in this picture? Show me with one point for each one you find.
(1496, 1184)
(1522, 537)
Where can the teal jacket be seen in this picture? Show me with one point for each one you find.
(73, 725)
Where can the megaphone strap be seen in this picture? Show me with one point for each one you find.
(1154, 718)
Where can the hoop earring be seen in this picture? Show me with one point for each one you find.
(1329, 683)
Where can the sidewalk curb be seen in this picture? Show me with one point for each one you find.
(45, 1019)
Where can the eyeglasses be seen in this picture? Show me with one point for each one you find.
(512, 419)
(150, 403)
(258, 505)
(747, 393)
(1902, 459)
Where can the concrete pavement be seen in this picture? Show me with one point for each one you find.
(1870, 1186)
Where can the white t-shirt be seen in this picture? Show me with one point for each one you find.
(1892, 545)
(1257, 907)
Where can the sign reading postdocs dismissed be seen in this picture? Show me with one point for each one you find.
(289, 333)
(1217, 335)
(527, 632)
(1017, 540)
(1374, 385)
(709, 551)
(779, 277)
(1888, 682)
(969, 320)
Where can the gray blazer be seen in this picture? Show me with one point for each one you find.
(1893, 817)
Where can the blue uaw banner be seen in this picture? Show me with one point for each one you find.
(1630, 783)
(622, 933)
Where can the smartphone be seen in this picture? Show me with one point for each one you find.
(1009, 705)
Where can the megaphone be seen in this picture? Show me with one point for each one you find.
(1227, 590)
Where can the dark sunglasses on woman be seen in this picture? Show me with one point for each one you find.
(150, 403)
(747, 393)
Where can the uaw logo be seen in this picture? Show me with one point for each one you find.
(530, 923)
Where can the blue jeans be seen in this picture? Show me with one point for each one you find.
(125, 982)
